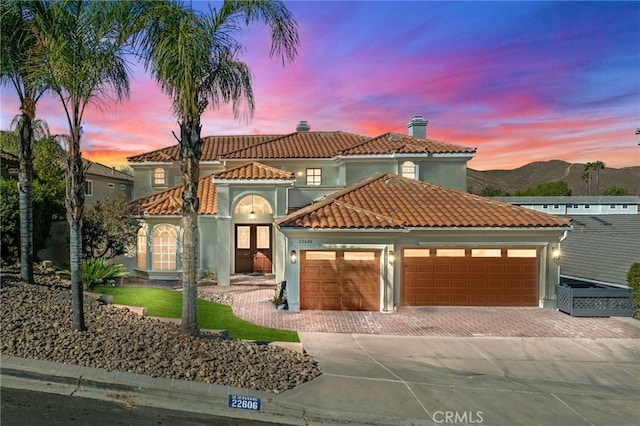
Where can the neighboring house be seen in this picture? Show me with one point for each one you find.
(103, 182)
(350, 222)
(578, 205)
(604, 241)
(9, 165)
(601, 249)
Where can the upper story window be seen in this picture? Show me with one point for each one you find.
(159, 176)
(314, 177)
(112, 185)
(409, 169)
(88, 187)
(253, 204)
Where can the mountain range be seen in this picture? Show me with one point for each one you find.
(539, 172)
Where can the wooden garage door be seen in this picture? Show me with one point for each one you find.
(347, 280)
(470, 277)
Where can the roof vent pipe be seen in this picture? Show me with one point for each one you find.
(303, 126)
(418, 127)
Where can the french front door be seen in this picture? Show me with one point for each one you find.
(253, 248)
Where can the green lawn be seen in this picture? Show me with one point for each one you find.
(168, 303)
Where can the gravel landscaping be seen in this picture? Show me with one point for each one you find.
(35, 323)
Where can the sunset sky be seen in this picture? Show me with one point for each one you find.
(520, 81)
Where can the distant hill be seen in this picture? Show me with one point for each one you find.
(533, 174)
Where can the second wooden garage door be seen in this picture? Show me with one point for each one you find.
(470, 277)
(346, 280)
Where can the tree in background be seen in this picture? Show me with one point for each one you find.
(17, 42)
(615, 190)
(109, 229)
(587, 175)
(79, 54)
(490, 191)
(557, 188)
(194, 57)
(48, 193)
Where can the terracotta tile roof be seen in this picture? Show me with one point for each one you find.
(169, 201)
(212, 148)
(300, 145)
(254, 171)
(304, 145)
(405, 144)
(391, 201)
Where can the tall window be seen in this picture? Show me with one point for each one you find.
(159, 176)
(409, 170)
(164, 248)
(142, 248)
(88, 187)
(314, 177)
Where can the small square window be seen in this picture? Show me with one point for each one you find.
(625, 206)
(613, 206)
(545, 206)
(587, 206)
(112, 185)
(314, 177)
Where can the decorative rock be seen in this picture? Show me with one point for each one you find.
(35, 321)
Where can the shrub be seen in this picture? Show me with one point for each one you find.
(99, 271)
(633, 280)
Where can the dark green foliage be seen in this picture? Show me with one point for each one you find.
(549, 189)
(48, 196)
(633, 281)
(490, 191)
(46, 208)
(99, 271)
(108, 229)
(615, 190)
(9, 221)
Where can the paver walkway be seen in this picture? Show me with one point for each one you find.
(252, 296)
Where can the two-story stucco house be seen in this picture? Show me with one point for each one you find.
(351, 222)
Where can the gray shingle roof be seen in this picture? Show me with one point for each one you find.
(601, 248)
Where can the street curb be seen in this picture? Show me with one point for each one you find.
(209, 398)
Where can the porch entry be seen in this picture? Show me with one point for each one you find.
(253, 248)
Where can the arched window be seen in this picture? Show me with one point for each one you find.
(141, 244)
(253, 203)
(409, 170)
(165, 243)
(159, 176)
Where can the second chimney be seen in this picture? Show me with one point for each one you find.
(303, 126)
(418, 127)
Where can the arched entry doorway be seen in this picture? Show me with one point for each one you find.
(253, 235)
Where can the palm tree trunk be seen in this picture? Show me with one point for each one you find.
(75, 209)
(190, 151)
(25, 190)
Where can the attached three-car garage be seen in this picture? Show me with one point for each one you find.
(470, 277)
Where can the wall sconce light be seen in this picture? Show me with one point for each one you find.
(294, 256)
(555, 254)
(392, 257)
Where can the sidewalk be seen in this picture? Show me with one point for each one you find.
(402, 380)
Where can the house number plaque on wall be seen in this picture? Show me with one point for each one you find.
(244, 402)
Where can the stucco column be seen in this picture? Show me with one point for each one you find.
(224, 251)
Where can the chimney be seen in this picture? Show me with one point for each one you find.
(303, 126)
(418, 127)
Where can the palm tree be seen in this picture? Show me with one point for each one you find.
(194, 57)
(79, 54)
(597, 166)
(17, 41)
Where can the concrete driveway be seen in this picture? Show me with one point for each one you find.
(479, 380)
